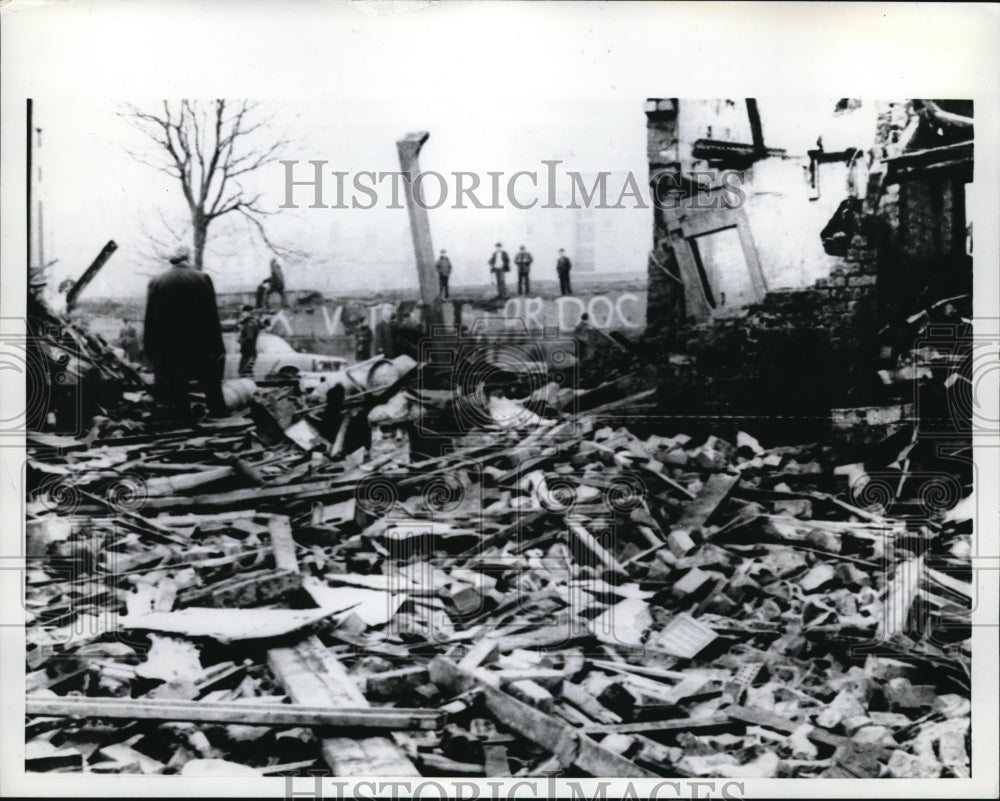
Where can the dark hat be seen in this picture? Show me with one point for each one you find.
(179, 254)
(498, 245)
(247, 307)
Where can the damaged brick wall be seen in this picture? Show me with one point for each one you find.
(790, 358)
(800, 352)
(920, 216)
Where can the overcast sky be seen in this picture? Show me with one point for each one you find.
(94, 190)
(499, 87)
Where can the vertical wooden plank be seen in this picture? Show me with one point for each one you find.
(280, 529)
(311, 675)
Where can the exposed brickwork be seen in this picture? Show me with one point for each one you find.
(801, 352)
(793, 356)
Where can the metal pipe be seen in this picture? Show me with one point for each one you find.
(89, 273)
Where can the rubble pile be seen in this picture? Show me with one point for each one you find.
(554, 595)
(72, 374)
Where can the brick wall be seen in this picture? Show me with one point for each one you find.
(785, 361)
(801, 352)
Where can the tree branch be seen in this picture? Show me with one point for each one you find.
(207, 149)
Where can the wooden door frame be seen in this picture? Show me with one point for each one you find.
(686, 224)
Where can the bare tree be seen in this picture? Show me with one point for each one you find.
(209, 148)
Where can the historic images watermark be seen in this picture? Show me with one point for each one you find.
(544, 188)
(317, 788)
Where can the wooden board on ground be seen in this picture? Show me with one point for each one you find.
(311, 675)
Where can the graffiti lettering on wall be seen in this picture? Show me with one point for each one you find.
(611, 311)
(317, 321)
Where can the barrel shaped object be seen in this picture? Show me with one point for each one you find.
(237, 392)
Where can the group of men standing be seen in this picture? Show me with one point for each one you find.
(499, 263)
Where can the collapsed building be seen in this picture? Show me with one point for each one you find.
(649, 570)
(881, 226)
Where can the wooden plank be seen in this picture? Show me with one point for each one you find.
(586, 703)
(899, 598)
(697, 513)
(523, 521)
(668, 481)
(168, 485)
(291, 493)
(532, 693)
(311, 675)
(495, 759)
(565, 742)
(761, 717)
(961, 587)
(250, 714)
(603, 557)
(399, 683)
(280, 529)
(478, 653)
(147, 527)
(292, 768)
(716, 490)
(640, 670)
(676, 724)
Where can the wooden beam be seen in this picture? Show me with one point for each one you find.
(697, 513)
(251, 497)
(564, 741)
(712, 495)
(676, 724)
(761, 717)
(756, 129)
(88, 275)
(250, 714)
(598, 552)
(311, 675)
(280, 529)
(899, 598)
(169, 485)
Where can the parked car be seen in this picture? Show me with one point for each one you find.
(277, 359)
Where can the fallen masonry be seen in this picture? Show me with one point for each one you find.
(553, 594)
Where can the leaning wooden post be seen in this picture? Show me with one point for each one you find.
(409, 150)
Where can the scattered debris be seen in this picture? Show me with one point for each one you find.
(580, 598)
(547, 592)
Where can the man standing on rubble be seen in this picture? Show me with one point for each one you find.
(384, 332)
(582, 336)
(249, 329)
(128, 341)
(275, 282)
(408, 334)
(563, 266)
(183, 335)
(443, 268)
(523, 261)
(500, 265)
(362, 341)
